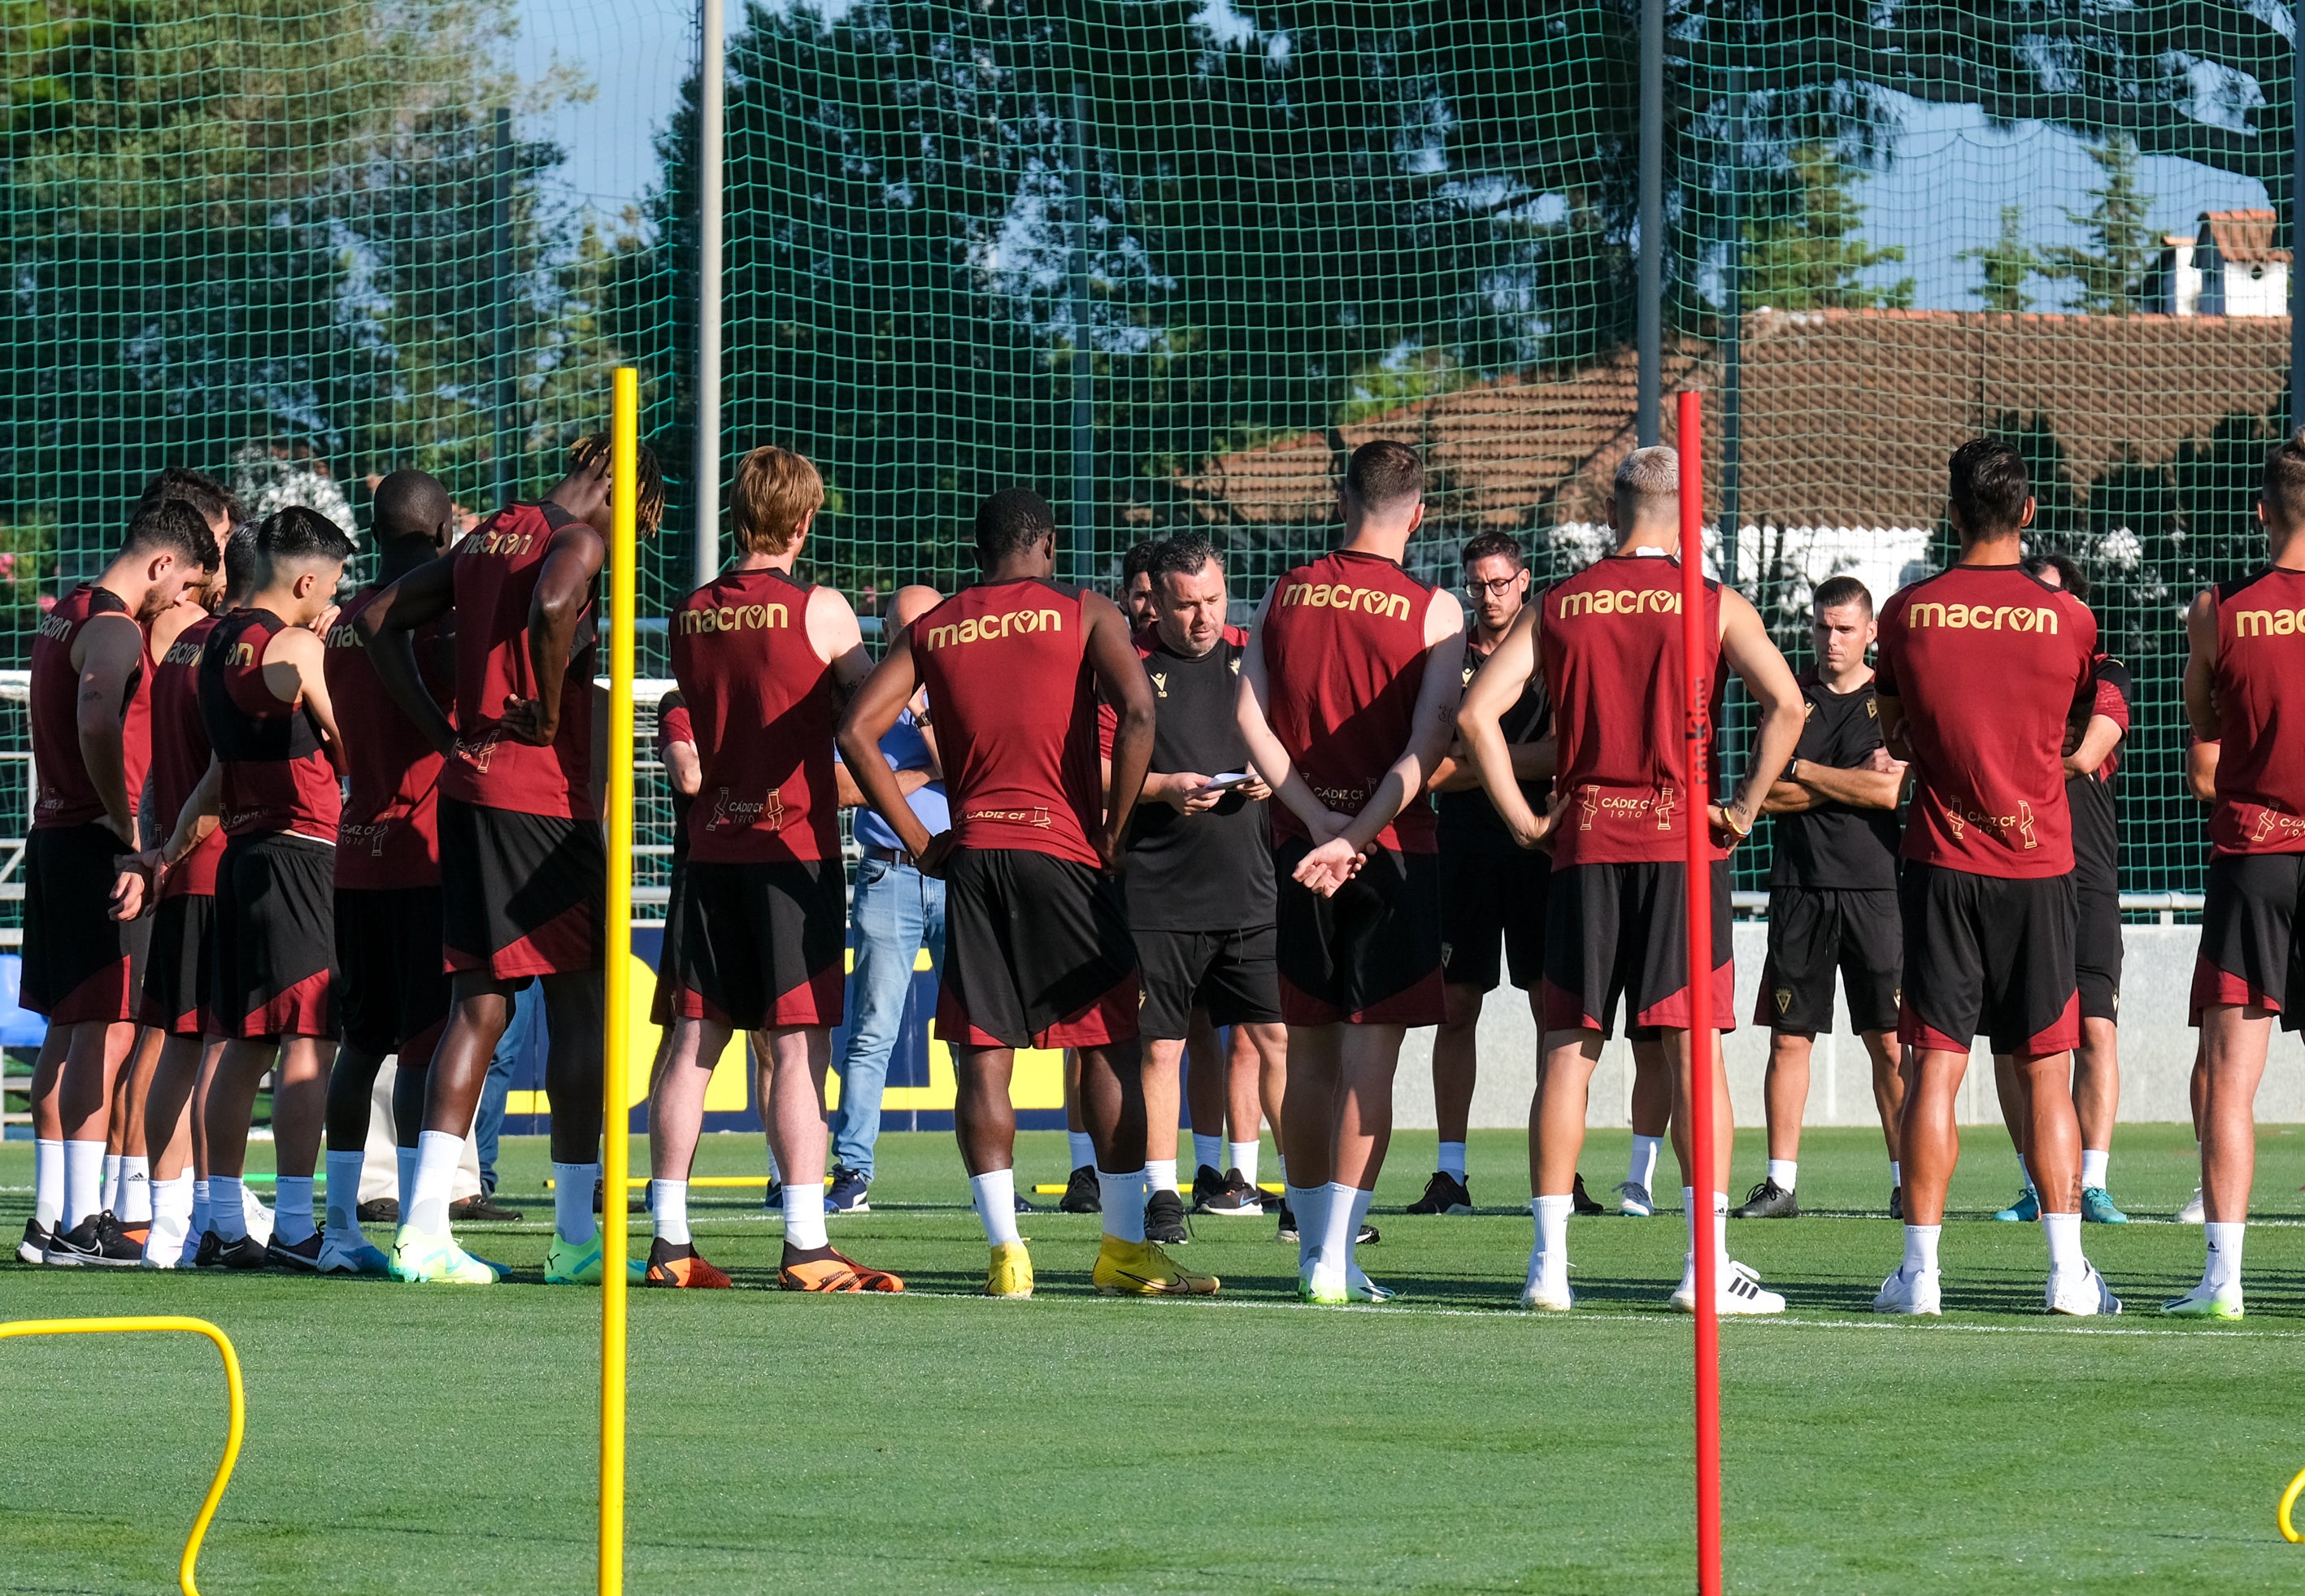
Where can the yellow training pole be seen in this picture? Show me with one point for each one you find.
(625, 435)
(238, 1405)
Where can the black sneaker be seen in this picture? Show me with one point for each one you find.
(378, 1210)
(1580, 1201)
(1164, 1220)
(1235, 1198)
(1023, 1206)
(211, 1247)
(1287, 1220)
(34, 1247)
(1444, 1194)
(773, 1196)
(1207, 1185)
(1082, 1194)
(849, 1193)
(1897, 1202)
(1767, 1200)
(241, 1253)
(95, 1243)
(298, 1258)
(484, 1207)
(1368, 1237)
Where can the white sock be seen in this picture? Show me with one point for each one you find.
(405, 1158)
(2026, 1170)
(1361, 1201)
(1451, 1161)
(172, 1219)
(1921, 1250)
(1783, 1171)
(111, 1201)
(83, 1181)
(2223, 1266)
(775, 1176)
(343, 1192)
(1160, 1175)
(1122, 1198)
(135, 1191)
(572, 1201)
(995, 1195)
(227, 1215)
(1720, 1223)
(2063, 1232)
(1310, 1204)
(668, 1202)
(2093, 1166)
(1206, 1152)
(1244, 1159)
(49, 1183)
(805, 1215)
(1084, 1148)
(1337, 1229)
(292, 1208)
(1640, 1170)
(1548, 1258)
(1280, 1165)
(202, 1222)
(1896, 1172)
(438, 1154)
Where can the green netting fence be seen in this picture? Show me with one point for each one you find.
(1170, 262)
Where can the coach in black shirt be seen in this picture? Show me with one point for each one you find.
(1833, 892)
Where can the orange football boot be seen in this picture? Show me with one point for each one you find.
(829, 1271)
(665, 1269)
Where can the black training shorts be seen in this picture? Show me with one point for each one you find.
(661, 1009)
(274, 945)
(763, 945)
(392, 993)
(1622, 930)
(2096, 951)
(1037, 953)
(1987, 956)
(2251, 952)
(1230, 974)
(1815, 931)
(1370, 955)
(1493, 898)
(80, 964)
(177, 967)
(520, 895)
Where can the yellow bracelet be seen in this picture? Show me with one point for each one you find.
(1728, 814)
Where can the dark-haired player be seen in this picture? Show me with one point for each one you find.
(766, 663)
(2095, 731)
(82, 968)
(393, 994)
(523, 873)
(1137, 598)
(1037, 949)
(1833, 892)
(2245, 691)
(272, 780)
(1608, 639)
(1979, 667)
(1346, 692)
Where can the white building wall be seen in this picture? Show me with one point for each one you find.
(2265, 294)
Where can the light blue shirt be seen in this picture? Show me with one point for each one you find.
(905, 749)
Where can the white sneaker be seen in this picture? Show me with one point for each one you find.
(1633, 1201)
(1738, 1292)
(1918, 1293)
(1361, 1288)
(2206, 1301)
(1549, 1296)
(2081, 1295)
(2193, 1213)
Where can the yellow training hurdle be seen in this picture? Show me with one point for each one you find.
(2289, 1532)
(195, 1326)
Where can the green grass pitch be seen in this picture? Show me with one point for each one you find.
(430, 1441)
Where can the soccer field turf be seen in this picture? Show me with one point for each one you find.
(443, 1441)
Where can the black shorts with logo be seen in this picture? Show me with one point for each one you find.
(1815, 932)
(2252, 952)
(763, 945)
(178, 968)
(1622, 930)
(661, 1009)
(520, 895)
(393, 992)
(1493, 901)
(2096, 951)
(1037, 953)
(80, 964)
(1370, 955)
(1987, 956)
(1231, 974)
(275, 945)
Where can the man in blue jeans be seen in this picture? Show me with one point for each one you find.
(896, 912)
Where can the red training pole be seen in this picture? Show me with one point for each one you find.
(1700, 645)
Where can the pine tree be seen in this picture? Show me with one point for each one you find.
(2112, 275)
(2007, 261)
(1800, 254)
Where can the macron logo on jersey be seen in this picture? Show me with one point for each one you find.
(1618, 601)
(733, 618)
(985, 629)
(55, 627)
(1983, 617)
(243, 654)
(1375, 601)
(183, 653)
(2268, 622)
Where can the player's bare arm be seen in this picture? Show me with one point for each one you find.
(1747, 647)
(2201, 770)
(1121, 677)
(1813, 786)
(2097, 744)
(2201, 665)
(1495, 689)
(1265, 753)
(107, 653)
(294, 671)
(387, 631)
(564, 588)
(134, 889)
(870, 713)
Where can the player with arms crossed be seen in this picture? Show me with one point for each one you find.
(1037, 949)
(523, 872)
(1608, 639)
(1347, 690)
(2245, 695)
(1979, 666)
